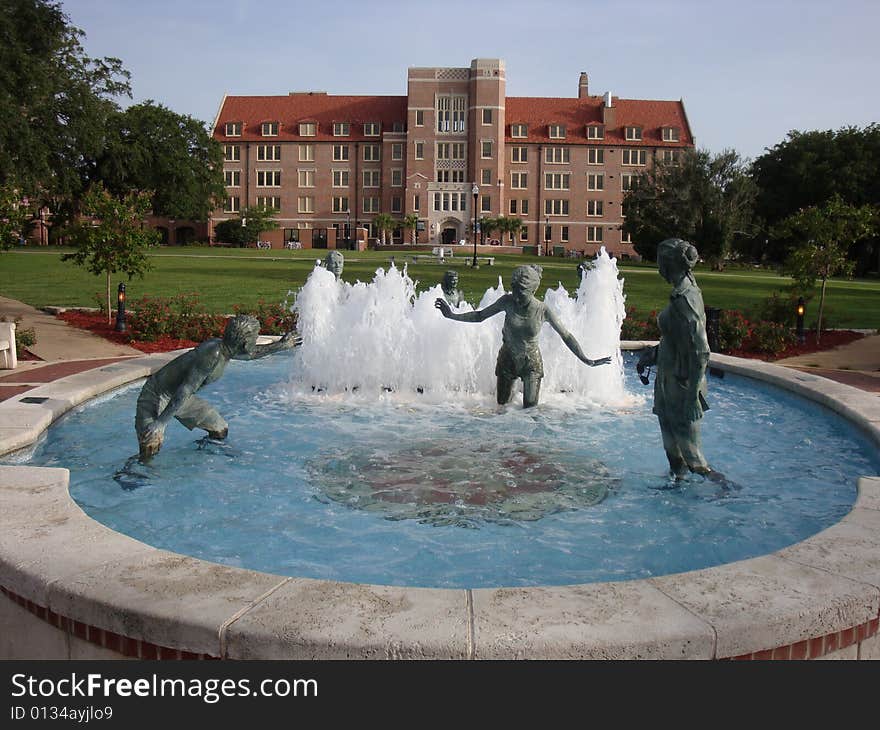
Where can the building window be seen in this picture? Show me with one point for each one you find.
(231, 153)
(340, 152)
(486, 149)
(232, 178)
(524, 234)
(524, 207)
(519, 154)
(634, 157)
(555, 207)
(633, 133)
(269, 152)
(557, 155)
(417, 202)
(371, 129)
(443, 149)
(371, 153)
(443, 176)
(340, 178)
(397, 178)
(398, 127)
(596, 181)
(520, 131)
(269, 129)
(487, 116)
(557, 131)
(458, 176)
(397, 151)
(340, 204)
(458, 150)
(563, 234)
(371, 204)
(513, 206)
(307, 153)
(268, 178)
(594, 208)
(308, 129)
(557, 181)
(420, 117)
(629, 182)
(594, 234)
(305, 178)
(672, 156)
(371, 178)
(444, 113)
(595, 156)
(233, 129)
(458, 112)
(420, 150)
(625, 237)
(291, 234)
(595, 131)
(305, 204)
(519, 180)
(341, 129)
(486, 204)
(670, 134)
(270, 202)
(396, 204)
(486, 176)
(233, 204)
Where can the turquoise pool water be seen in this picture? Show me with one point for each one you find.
(396, 491)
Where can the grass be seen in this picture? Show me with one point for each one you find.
(224, 277)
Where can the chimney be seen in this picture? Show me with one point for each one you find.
(583, 86)
(608, 110)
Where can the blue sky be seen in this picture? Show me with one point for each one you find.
(748, 71)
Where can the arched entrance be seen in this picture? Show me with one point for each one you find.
(450, 232)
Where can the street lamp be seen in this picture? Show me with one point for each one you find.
(799, 323)
(120, 308)
(347, 229)
(475, 191)
(546, 236)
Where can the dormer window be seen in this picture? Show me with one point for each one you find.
(270, 129)
(520, 131)
(341, 129)
(633, 133)
(557, 131)
(371, 129)
(595, 131)
(398, 127)
(307, 129)
(670, 134)
(233, 129)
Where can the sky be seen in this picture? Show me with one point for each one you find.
(748, 71)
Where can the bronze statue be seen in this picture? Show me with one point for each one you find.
(681, 358)
(334, 261)
(451, 292)
(170, 391)
(524, 315)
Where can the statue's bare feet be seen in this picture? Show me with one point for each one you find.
(218, 435)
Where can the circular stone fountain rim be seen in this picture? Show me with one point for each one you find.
(92, 581)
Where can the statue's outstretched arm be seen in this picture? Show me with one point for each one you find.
(287, 342)
(571, 341)
(499, 305)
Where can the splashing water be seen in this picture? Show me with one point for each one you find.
(369, 339)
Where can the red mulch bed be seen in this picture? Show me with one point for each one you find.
(96, 323)
(829, 340)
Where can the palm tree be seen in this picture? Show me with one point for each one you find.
(487, 225)
(384, 223)
(509, 224)
(411, 222)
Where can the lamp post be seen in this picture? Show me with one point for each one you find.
(348, 229)
(799, 326)
(120, 308)
(475, 191)
(546, 236)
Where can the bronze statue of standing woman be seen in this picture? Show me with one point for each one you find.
(681, 359)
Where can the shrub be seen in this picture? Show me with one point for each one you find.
(275, 318)
(769, 337)
(733, 330)
(779, 308)
(182, 317)
(634, 327)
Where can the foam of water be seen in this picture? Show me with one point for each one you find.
(367, 339)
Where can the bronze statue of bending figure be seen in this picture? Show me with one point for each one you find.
(524, 315)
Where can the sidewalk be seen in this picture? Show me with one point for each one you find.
(857, 363)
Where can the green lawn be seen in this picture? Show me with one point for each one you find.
(224, 277)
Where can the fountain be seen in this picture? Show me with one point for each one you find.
(395, 509)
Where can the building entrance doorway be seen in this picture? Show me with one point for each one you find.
(447, 238)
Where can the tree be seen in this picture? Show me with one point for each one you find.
(704, 199)
(15, 217)
(54, 103)
(488, 224)
(112, 236)
(509, 224)
(808, 168)
(247, 228)
(410, 223)
(384, 224)
(824, 233)
(150, 147)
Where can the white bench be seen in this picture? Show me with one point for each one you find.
(8, 357)
(441, 252)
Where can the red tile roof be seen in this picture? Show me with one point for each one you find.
(309, 107)
(576, 114)
(536, 112)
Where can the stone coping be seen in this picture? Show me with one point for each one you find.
(807, 600)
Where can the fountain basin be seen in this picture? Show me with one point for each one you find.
(75, 588)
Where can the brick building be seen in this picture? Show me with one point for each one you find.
(329, 164)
